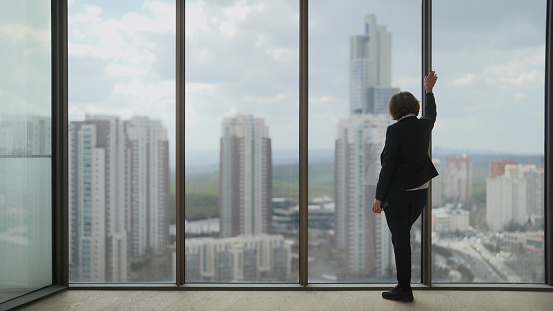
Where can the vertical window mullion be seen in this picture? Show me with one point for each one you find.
(180, 262)
(548, 148)
(303, 173)
(60, 234)
(426, 251)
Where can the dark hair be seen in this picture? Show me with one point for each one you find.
(403, 103)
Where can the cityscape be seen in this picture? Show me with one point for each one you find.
(487, 222)
(242, 222)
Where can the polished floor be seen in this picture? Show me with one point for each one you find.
(293, 300)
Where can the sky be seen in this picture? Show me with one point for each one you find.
(25, 58)
(122, 60)
(241, 57)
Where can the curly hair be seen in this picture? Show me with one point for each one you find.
(403, 103)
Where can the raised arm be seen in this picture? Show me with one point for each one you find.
(430, 81)
(430, 107)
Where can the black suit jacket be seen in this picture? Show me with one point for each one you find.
(405, 161)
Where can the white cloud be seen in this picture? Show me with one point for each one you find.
(195, 20)
(284, 55)
(122, 70)
(227, 28)
(89, 14)
(231, 112)
(523, 78)
(406, 81)
(24, 107)
(94, 50)
(134, 22)
(324, 99)
(189, 116)
(266, 99)
(160, 8)
(520, 95)
(518, 67)
(237, 12)
(146, 92)
(28, 35)
(471, 108)
(191, 88)
(487, 132)
(464, 80)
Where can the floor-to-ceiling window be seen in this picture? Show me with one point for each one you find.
(121, 141)
(241, 141)
(488, 203)
(241, 144)
(25, 148)
(360, 54)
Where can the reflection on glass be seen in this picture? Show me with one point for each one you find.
(25, 148)
(360, 55)
(241, 141)
(121, 141)
(487, 207)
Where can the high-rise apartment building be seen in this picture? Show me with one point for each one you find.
(458, 178)
(497, 168)
(25, 135)
(148, 170)
(450, 218)
(25, 201)
(118, 186)
(370, 69)
(245, 177)
(437, 199)
(236, 259)
(513, 197)
(361, 234)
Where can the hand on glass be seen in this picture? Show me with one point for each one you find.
(430, 81)
(377, 206)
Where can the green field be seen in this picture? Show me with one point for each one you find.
(202, 190)
(201, 193)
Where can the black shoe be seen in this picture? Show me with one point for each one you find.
(397, 293)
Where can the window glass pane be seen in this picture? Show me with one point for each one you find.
(360, 53)
(241, 141)
(121, 141)
(25, 148)
(488, 205)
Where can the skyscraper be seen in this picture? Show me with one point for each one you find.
(370, 69)
(25, 135)
(458, 178)
(437, 185)
(497, 168)
(97, 220)
(149, 184)
(118, 203)
(237, 259)
(25, 201)
(359, 232)
(245, 177)
(513, 196)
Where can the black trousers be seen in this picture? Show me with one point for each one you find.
(400, 227)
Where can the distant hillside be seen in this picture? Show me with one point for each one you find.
(202, 182)
(202, 190)
(482, 160)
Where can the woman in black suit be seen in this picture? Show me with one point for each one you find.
(404, 176)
